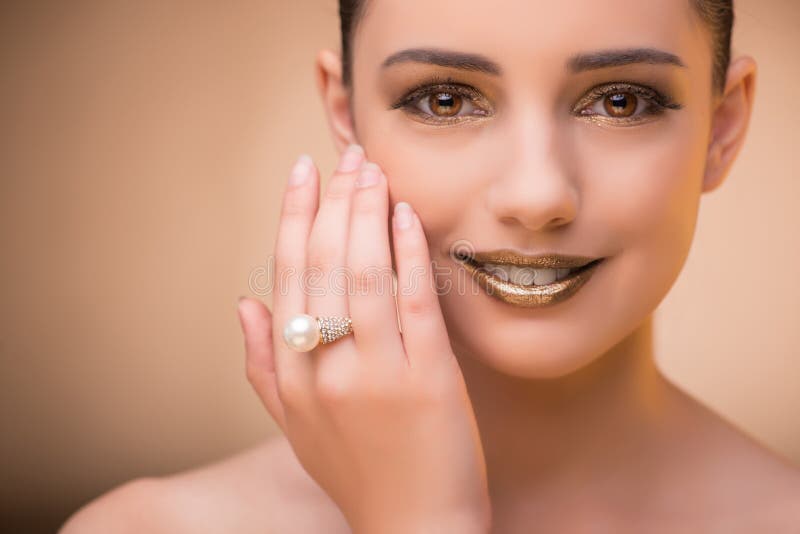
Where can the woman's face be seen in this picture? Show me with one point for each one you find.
(528, 158)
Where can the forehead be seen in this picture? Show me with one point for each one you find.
(527, 34)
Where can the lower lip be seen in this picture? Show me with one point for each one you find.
(531, 296)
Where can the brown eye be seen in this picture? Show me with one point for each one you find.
(620, 105)
(445, 104)
(624, 104)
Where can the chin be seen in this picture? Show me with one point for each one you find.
(531, 357)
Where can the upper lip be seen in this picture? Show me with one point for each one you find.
(540, 261)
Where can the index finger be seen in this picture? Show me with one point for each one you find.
(298, 210)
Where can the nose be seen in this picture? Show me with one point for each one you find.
(535, 189)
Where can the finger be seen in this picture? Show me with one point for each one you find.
(299, 207)
(424, 332)
(256, 322)
(371, 301)
(328, 281)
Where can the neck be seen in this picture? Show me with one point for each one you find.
(583, 426)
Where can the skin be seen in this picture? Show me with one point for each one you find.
(577, 426)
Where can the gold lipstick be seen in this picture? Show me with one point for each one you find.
(529, 296)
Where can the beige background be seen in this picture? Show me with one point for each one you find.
(144, 147)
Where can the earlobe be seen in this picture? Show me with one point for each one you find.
(335, 98)
(730, 120)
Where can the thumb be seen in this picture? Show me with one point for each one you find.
(256, 323)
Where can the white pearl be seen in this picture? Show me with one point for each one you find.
(301, 333)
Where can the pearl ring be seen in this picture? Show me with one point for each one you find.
(304, 332)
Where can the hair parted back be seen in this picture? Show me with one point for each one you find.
(716, 14)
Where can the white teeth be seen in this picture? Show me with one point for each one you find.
(497, 271)
(523, 276)
(545, 276)
(526, 276)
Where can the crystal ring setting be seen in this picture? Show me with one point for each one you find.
(304, 332)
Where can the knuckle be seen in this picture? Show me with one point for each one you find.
(290, 391)
(333, 388)
(294, 206)
(365, 203)
(417, 255)
(372, 280)
(331, 394)
(322, 254)
(340, 186)
(286, 263)
(418, 305)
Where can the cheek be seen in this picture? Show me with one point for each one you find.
(438, 177)
(644, 190)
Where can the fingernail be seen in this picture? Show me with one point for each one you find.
(351, 159)
(300, 171)
(370, 172)
(402, 215)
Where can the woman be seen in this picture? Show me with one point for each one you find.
(533, 177)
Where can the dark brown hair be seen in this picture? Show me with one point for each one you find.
(716, 14)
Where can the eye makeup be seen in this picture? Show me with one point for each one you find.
(437, 84)
(650, 102)
(655, 102)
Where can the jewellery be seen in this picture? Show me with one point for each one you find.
(304, 332)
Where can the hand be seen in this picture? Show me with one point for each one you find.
(381, 421)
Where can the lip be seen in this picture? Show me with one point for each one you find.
(540, 261)
(530, 296)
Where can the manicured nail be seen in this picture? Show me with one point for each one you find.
(370, 172)
(403, 215)
(300, 171)
(351, 159)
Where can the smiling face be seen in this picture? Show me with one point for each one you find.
(551, 141)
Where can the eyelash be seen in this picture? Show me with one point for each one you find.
(657, 102)
(433, 86)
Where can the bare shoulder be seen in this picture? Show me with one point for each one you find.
(262, 489)
(767, 484)
(755, 487)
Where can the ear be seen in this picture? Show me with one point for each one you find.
(730, 120)
(335, 98)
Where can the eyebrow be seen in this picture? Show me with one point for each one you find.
(444, 58)
(625, 56)
(577, 63)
